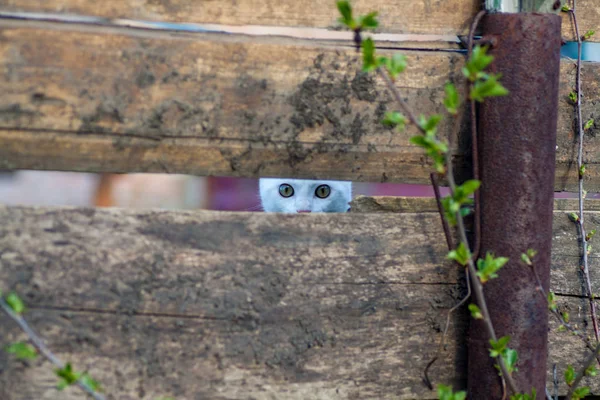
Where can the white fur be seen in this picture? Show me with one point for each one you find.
(304, 197)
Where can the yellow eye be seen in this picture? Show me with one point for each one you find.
(323, 191)
(286, 190)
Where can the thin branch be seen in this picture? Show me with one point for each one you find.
(586, 270)
(559, 317)
(555, 381)
(38, 343)
(474, 147)
(398, 97)
(476, 284)
(426, 379)
(438, 201)
(478, 287)
(581, 373)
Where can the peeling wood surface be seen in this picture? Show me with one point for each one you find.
(235, 305)
(451, 17)
(125, 100)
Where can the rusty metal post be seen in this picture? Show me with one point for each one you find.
(517, 144)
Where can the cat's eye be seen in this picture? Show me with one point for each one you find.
(286, 190)
(322, 191)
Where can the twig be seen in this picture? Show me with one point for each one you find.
(396, 93)
(38, 343)
(555, 381)
(558, 316)
(478, 287)
(586, 364)
(474, 149)
(426, 379)
(436, 190)
(586, 270)
(438, 201)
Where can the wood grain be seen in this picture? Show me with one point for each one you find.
(230, 305)
(451, 17)
(403, 16)
(125, 100)
(234, 305)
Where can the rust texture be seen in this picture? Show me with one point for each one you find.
(517, 139)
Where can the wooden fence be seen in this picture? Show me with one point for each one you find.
(216, 305)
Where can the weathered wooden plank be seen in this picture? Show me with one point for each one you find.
(134, 101)
(399, 16)
(565, 349)
(229, 305)
(403, 16)
(566, 273)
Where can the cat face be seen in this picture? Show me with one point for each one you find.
(299, 195)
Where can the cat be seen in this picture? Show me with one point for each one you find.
(304, 196)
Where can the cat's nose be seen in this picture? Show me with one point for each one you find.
(303, 211)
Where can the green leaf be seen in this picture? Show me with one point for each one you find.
(346, 11)
(591, 371)
(580, 393)
(446, 393)
(478, 62)
(589, 124)
(451, 101)
(369, 62)
(420, 141)
(475, 311)
(449, 205)
(68, 376)
(498, 346)
(588, 35)
(368, 21)
(573, 217)
(590, 235)
(466, 189)
(395, 65)
(394, 118)
(552, 301)
(461, 255)
(573, 97)
(565, 8)
(526, 257)
(489, 87)
(525, 396)
(570, 375)
(22, 350)
(429, 125)
(565, 317)
(582, 170)
(510, 360)
(487, 267)
(15, 303)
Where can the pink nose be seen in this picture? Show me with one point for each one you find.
(303, 211)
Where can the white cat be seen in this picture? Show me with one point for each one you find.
(302, 196)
